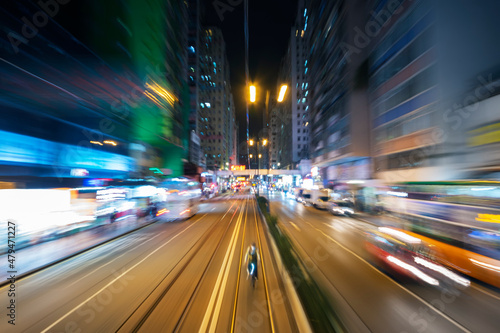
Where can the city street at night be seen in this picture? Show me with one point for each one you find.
(335, 250)
(163, 278)
(250, 166)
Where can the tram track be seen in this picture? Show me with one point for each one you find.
(129, 325)
(241, 268)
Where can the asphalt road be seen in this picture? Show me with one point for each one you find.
(368, 299)
(185, 276)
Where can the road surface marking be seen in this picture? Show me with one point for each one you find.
(294, 225)
(331, 226)
(121, 255)
(485, 291)
(116, 279)
(451, 320)
(215, 319)
(217, 289)
(264, 271)
(400, 286)
(233, 321)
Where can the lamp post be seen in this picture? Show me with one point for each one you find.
(260, 142)
(252, 98)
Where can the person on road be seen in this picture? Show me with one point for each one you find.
(251, 260)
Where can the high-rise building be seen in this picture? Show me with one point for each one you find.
(403, 82)
(280, 121)
(216, 113)
(158, 108)
(124, 78)
(194, 29)
(339, 115)
(300, 88)
(433, 74)
(59, 89)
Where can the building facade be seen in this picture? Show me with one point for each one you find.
(280, 121)
(193, 50)
(300, 89)
(425, 85)
(339, 115)
(216, 112)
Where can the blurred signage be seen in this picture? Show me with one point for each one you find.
(241, 179)
(195, 138)
(485, 135)
(136, 146)
(22, 149)
(162, 171)
(111, 194)
(238, 167)
(307, 183)
(79, 172)
(96, 181)
(490, 218)
(166, 171)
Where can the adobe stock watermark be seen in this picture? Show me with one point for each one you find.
(256, 318)
(225, 6)
(372, 28)
(452, 120)
(421, 319)
(470, 103)
(31, 26)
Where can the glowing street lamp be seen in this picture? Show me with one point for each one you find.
(253, 93)
(260, 142)
(281, 95)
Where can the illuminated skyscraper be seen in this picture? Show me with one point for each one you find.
(216, 122)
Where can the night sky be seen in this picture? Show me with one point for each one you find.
(270, 22)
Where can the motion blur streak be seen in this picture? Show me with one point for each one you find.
(485, 265)
(442, 270)
(414, 270)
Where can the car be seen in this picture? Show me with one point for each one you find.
(340, 207)
(410, 258)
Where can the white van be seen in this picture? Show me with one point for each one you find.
(319, 198)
